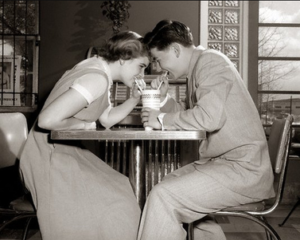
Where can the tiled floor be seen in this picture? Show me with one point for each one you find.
(243, 229)
(234, 228)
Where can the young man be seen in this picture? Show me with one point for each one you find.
(234, 166)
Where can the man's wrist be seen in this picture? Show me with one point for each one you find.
(160, 120)
(165, 100)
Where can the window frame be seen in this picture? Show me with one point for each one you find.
(254, 58)
(35, 38)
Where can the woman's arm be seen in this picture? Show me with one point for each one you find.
(112, 116)
(58, 115)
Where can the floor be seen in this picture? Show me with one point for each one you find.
(234, 228)
(242, 229)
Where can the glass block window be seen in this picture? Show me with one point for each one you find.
(215, 33)
(231, 34)
(19, 37)
(216, 46)
(224, 29)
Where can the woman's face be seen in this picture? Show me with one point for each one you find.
(133, 68)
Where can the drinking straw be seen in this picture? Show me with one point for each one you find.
(164, 74)
(138, 85)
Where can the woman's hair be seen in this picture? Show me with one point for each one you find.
(124, 45)
(167, 32)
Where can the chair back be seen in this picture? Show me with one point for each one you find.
(279, 141)
(13, 134)
(279, 146)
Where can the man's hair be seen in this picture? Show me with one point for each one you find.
(124, 45)
(167, 32)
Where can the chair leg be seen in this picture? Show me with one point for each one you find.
(15, 219)
(268, 235)
(270, 232)
(25, 231)
(290, 213)
(190, 232)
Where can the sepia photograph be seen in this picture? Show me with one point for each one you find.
(149, 120)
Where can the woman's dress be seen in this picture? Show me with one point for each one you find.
(76, 194)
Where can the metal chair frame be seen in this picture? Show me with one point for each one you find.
(281, 163)
(18, 215)
(257, 211)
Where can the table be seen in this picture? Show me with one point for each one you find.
(136, 137)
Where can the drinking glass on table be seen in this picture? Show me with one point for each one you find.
(151, 99)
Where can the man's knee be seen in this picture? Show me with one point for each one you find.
(207, 228)
(157, 191)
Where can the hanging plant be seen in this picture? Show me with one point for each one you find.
(117, 12)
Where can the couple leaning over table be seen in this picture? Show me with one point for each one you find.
(78, 196)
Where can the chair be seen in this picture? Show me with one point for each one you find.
(295, 147)
(13, 134)
(279, 145)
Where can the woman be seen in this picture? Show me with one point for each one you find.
(77, 195)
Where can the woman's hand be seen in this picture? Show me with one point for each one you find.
(141, 83)
(136, 93)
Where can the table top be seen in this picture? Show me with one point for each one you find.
(128, 134)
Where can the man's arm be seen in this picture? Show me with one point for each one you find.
(214, 79)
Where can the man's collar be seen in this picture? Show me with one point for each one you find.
(195, 56)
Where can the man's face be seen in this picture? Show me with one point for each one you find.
(167, 60)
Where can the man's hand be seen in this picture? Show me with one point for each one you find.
(164, 87)
(149, 118)
(90, 125)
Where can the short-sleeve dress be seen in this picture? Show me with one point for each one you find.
(76, 194)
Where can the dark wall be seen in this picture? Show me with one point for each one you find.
(145, 15)
(69, 28)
